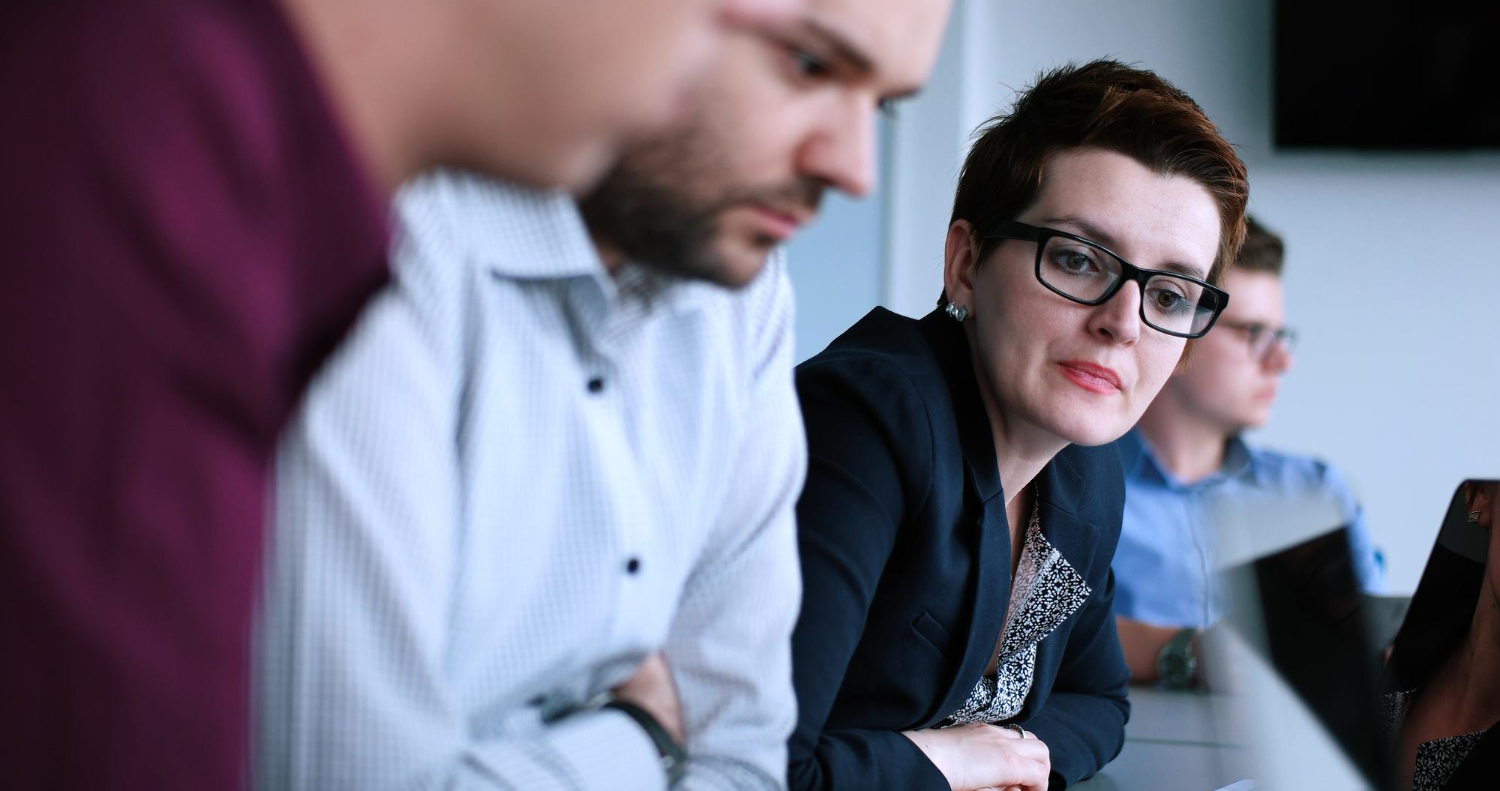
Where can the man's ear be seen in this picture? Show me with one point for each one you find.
(960, 259)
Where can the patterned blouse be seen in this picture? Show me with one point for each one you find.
(1046, 591)
(1438, 759)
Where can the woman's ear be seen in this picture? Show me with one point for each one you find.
(1478, 497)
(960, 258)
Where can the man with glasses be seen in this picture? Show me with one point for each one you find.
(1186, 454)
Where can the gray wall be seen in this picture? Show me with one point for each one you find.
(1393, 271)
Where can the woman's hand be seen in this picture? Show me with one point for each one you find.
(981, 757)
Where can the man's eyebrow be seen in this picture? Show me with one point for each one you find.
(843, 49)
(1094, 233)
(902, 96)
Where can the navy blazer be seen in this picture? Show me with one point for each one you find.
(906, 566)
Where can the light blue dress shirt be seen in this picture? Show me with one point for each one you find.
(1164, 566)
(517, 478)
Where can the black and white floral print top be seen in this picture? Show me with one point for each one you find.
(1438, 759)
(1045, 592)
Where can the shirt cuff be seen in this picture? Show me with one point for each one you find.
(607, 749)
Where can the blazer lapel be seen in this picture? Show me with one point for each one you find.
(991, 594)
(990, 600)
(1062, 490)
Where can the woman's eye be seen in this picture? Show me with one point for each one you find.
(1075, 262)
(1167, 299)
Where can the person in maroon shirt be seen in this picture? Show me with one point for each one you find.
(193, 199)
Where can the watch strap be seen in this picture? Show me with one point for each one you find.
(1176, 663)
(673, 756)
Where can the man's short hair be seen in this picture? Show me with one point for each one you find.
(1263, 251)
(1107, 105)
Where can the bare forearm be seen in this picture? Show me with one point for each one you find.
(1142, 644)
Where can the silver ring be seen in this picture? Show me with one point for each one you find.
(1011, 726)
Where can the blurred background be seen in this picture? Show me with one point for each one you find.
(1393, 240)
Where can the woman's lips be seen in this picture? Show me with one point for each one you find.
(1091, 377)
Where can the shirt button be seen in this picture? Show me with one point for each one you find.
(596, 385)
(633, 565)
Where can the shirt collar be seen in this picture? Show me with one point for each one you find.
(1139, 460)
(1239, 459)
(522, 233)
(512, 231)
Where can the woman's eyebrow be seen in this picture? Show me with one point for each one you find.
(1095, 233)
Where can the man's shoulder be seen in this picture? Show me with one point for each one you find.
(1293, 472)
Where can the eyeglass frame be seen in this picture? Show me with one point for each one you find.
(1022, 232)
(1281, 336)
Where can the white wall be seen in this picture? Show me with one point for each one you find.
(1393, 270)
(837, 264)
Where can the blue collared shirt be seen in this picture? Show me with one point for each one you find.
(1164, 571)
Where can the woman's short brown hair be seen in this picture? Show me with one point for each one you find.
(1107, 105)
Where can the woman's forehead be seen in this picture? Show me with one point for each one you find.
(1153, 220)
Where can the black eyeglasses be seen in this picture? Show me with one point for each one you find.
(1262, 338)
(1089, 273)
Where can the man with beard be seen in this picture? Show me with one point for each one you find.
(534, 522)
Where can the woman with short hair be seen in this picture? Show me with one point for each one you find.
(958, 520)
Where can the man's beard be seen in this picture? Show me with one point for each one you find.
(646, 209)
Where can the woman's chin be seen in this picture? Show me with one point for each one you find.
(1090, 433)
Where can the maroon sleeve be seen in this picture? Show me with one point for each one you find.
(186, 236)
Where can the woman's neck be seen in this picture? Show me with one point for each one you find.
(1021, 449)
(1192, 450)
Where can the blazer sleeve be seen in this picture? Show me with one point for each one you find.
(1083, 721)
(867, 431)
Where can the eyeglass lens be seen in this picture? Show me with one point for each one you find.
(1263, 339)
(1086, 273)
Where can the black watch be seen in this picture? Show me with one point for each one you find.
(673, 756)
(1177, 664)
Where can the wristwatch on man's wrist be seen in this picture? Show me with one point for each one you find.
(1177, 662)
(673, 756)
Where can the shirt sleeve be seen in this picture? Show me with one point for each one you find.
(1369, 568)
(851, 508)
(729, 646)
(353, 648)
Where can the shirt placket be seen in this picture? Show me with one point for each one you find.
(635, 565)
(1204, 571)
